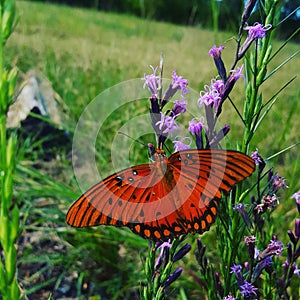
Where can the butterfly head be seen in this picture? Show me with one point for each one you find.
(156, 154)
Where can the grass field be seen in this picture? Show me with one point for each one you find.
(84, 52)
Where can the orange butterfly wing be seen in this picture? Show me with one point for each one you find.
(166, 198)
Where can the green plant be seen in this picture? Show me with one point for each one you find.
(9, 211)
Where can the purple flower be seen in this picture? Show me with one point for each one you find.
(179, 145)
(237, 270)
(179, 83)
(217, 84)
(179, 107)
(247, 289)
(151, 81)
(164, 248)
(237, 74)
(274, 248)
(167, 124)
(260, 208)
(209, 97)
(278, 182)
(256, 157)
(297, 271)
(240, 207)
(296, 196)
(265, 263)
(195, 128)
(229, 297)
(216, 51)
(249, 239)
(269, 201)
(258, 160)
(257, 31)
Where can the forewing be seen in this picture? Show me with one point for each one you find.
(113, 200)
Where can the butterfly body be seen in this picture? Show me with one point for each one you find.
(166, 198)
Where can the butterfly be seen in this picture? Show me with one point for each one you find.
(165, 198)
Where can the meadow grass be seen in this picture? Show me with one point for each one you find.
(83, 52)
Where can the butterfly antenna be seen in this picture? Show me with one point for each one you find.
(140, 142)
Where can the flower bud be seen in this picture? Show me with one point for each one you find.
(173, 277)
(292, 237)
(247, 11)
(289, 252)
(181, 252)
(297, 229)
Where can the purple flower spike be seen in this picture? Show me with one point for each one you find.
(278, 182)
(274, 248)
(167, 124)
(179, 144)
(250, 242)
(215, 52)
(237, 270)
(257, 31)
(209, 97)
(164, 253)
(217, 84)
(219, 136)
(247, 289)
(297, 271)
(265, 263)
(240, 207)
(151, 81)
(195, 128)
(179, 107)
(235, 75)
(179, 83)
(296, 196)
(258, 160)
(173, 277)
(269, 202)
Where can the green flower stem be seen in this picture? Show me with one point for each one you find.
(9, 211)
